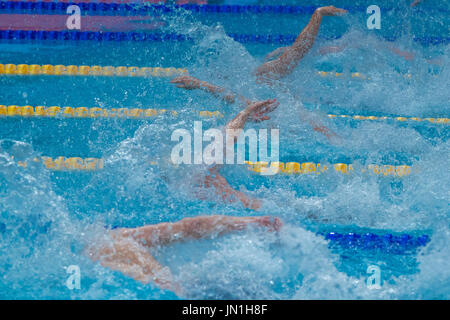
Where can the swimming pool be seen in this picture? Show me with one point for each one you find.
(390, 210)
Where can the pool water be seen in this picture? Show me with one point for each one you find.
(47, 217)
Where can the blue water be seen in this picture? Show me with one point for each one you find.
(48, 217)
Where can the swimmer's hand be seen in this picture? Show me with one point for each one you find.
(271, 223)
(257, 110)
(331, 11)
(186, 82)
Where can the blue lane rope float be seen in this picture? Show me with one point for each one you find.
(128, 8)
(90, 36)
(290, 38)
(370, 241)
(36, 35)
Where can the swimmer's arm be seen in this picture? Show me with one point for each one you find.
(410, 56)
(317, 125)
(405, 54)
(199, 227)
(256, 110)
(191, 83)
(218, 92)
(415, 2)
(321, 128)
(287, 62)
(227, 193)
(129, 257)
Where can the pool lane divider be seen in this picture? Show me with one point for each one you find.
(353, 75)
(58, 22)
(103, 7)
(94, 112)
(73, 70)
(121, 7)
(62, 163)
(99, 36)
(146, 113)
(311, 168)
(399, 119)
(65, 163)
(41, 35)
(389, 243)
(123, 71)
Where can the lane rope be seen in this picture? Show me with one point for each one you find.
(90, 35)
(381, 118)
(66, 163)
(132, 9)
(62, 163)
(122, 71)
(142, 113)
(48, 69)
(73, 70)
(36, 35)
(94, 112)
(386, 242)
(297, 168)
(353, 74)
(102, 7)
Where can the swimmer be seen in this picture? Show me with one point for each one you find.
(257, 110)
(287, 59)
(408, 56)
(291, 56)
(128, 251)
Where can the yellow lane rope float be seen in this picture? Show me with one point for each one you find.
(289, 168)
(142, 113)
(94, 112)
(297, 168)
(339, 74)
(72, 70)
(122, 71)
(401, 119)
(352, 74)
(67, 163)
